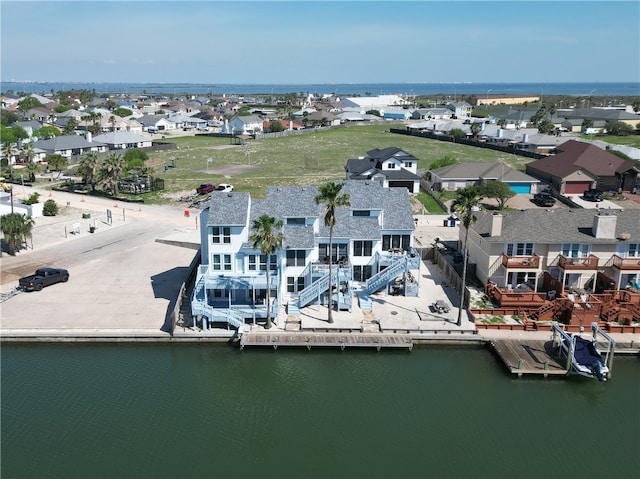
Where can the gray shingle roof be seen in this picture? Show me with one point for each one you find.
(66, 142)
(228, 209)
(283, 202)
(557, 225)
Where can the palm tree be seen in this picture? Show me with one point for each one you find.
(329, 195)
(28, 153)
(467, 202)
(9, 151)
(267, 237)
(16, 227)
(89, 167)
(109, 173)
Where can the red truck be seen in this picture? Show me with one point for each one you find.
(43, 277)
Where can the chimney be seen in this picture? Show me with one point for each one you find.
(89, 137)
(604, 226)
(496, 224)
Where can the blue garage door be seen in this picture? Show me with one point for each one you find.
(520, 188)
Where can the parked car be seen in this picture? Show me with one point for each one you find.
(593, 195)
(43, 277)
(224, 187)
(205, 188)
(544, 198)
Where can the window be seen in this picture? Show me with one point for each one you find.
(361, 213)
(576, 250)
(296, 257)
(253, 266)
(408, 164)
(396, 242)
(361, 273)
(295, 285)
(222, 262)
(221, 234)
(296, 221)
(273, 262)
(391, 166)
(220, 293)
(633, 250)
(519, 249)
(362, 248)
(337, 251)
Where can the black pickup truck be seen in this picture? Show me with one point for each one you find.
(43, 277)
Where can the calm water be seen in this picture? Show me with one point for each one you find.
(629, 88)
(150, 411)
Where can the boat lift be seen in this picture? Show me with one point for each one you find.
(566, 343)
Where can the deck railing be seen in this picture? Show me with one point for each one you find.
(568, 263)
(521, 262)
(626, 263)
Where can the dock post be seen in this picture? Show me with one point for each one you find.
(519, 367)
(546, 367)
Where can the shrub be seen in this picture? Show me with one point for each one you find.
(32, 200)
(50, 208)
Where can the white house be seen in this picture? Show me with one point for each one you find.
(391, 167)
(372, 249)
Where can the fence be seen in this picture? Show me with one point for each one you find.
(452, 275)
(185, 289)
(470, 142)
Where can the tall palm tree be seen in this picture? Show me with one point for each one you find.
(329, 195)
(267, 237)
(110, 171)
(467, 202)
(16, 227)
(89, 167)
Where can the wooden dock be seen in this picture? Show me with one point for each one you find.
(326, 340)
(529, 356)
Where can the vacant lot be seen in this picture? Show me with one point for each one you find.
(308, 158)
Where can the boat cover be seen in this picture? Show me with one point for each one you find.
(585, 353)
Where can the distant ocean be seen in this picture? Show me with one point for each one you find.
(340, 89)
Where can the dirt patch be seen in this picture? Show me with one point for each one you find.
(228, 170)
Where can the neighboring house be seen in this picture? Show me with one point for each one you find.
(461, 175)
(432, 114)
(156, 122)
(461, 109)
(372, 249)
(576, 247)
(391, 167)
(245, 125)
(350, 116)
(397, 113)
(122, 140)
(188, 121)
(577, 166)
(69, 145)
(601, 114)
(30, 126)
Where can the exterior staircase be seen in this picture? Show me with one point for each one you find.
(311, 292)
(384, 277)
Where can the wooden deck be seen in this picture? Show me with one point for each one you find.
(326, 340)
(529, 356)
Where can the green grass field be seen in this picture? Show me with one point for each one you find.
(631, 140)
(306, 159)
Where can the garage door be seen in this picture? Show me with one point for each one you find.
(400, 184)
(576, 187)
(520, 188)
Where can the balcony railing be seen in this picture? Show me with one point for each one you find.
(568, 263)
(521, 262)
(626, 263)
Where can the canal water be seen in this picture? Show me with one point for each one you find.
(202, 410)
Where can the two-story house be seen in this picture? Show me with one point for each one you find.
(391, 167)
(372, 249)
(576, 247)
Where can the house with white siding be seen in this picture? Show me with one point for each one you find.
(372, 249)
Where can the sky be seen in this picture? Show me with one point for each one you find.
(260, 42)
